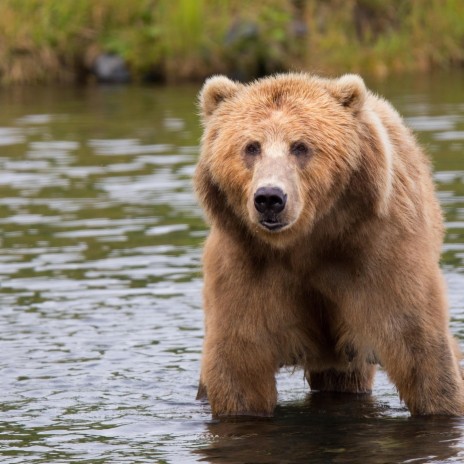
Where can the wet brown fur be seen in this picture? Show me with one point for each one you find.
(354, 280)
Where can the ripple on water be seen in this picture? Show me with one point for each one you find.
(11, 136)
(449, 135)
(432, 123)
(101, 324)
(126, 147)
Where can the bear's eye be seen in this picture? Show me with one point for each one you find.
(299, 149)
(253, 148)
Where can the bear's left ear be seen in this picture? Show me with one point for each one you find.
(350, 91)
(215, 90)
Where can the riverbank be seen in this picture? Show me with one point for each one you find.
(186, 40)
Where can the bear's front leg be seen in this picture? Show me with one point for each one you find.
(245, 311)
(425, 371)
(411, 337)
(238, 376)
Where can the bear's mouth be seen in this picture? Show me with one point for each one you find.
(271, 225)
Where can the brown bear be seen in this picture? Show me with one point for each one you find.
(324, 247)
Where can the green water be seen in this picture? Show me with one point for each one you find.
(100, 290)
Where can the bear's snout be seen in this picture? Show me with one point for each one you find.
(269, 202)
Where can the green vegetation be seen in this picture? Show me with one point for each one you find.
(178, 40)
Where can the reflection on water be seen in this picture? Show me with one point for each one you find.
(331, 428)
(101, 321)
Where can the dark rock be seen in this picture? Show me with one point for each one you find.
(298, 28)
(241, 33)
(110, 68)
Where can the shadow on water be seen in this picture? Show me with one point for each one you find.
(335, 428)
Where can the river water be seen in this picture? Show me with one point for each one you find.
(101, 321)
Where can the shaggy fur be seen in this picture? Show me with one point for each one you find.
(351, 278)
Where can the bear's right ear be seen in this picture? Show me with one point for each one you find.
(215, 90)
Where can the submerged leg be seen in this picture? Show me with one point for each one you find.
(239, 378)
(353, 381)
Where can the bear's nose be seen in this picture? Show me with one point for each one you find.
(270, 200)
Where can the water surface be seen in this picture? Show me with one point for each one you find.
(101, 322)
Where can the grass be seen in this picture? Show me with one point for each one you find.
(178, 40)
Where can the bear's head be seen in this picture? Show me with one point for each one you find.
(279, 152)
